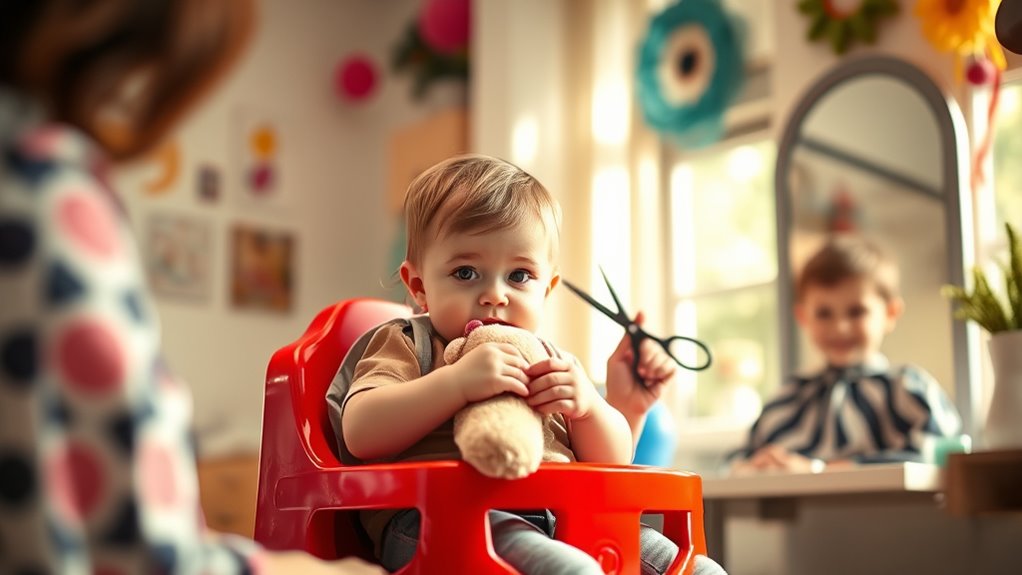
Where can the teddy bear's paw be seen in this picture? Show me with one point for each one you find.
(504, 462)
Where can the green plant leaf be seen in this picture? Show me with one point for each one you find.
(1013, 276)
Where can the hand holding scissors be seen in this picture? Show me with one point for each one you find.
(637, 334)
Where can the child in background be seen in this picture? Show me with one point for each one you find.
(97, 472)
(859, 408)
(483, 244)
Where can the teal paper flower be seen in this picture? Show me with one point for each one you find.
(690, 69)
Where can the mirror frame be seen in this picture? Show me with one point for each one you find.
(957, 202)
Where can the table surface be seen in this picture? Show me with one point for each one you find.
(877, 478)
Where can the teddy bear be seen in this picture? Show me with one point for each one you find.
(503, 436)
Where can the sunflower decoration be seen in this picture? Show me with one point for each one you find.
(964, 28)
(690, 70)
(844, 22)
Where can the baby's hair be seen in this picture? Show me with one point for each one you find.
(845, 257)
(475, 194)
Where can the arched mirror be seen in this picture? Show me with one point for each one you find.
(875, 148)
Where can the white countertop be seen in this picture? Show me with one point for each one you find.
(878, 478)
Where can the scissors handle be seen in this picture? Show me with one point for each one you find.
(668, 343)
(637, 334)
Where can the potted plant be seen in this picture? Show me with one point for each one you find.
(1001, 317)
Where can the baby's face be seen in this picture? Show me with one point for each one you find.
(847, 322)
(503, 275)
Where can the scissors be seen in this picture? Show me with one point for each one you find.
(637, 334)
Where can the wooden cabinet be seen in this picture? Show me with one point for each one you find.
(984, 482)
(227, 492)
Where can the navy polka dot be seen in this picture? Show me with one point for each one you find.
(17, 479)
(58, 413)
(165, 558)
(124, 529)
(62, 285)
(62, 539)
(17, 240)
(18, 359)
(31, 169)
(133, 303)
(122, 431)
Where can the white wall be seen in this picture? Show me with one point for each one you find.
(333, 169)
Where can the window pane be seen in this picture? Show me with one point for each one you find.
(740, 327)
(722, 220)
(1008, 156)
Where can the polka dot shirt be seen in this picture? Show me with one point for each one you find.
(97, 466)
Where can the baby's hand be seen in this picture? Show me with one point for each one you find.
(490, 369)
(655, 366)
(560, 386)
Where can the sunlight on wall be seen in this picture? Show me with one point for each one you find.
(524, 141)
(612, 229)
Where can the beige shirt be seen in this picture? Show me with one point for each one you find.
(390, 359)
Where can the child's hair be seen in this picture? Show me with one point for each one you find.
(475, 194)
(848, 256)
(122, 71)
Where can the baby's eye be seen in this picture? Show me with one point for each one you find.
(857, 312)
(465, 273)
(519, 276)
(822, 313)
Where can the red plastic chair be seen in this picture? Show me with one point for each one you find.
(308, 500)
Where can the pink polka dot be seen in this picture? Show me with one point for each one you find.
(159, 486)
(75, 480)
(90, 357)
(89, 221)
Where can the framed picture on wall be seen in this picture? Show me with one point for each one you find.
(177, 252)
(261, 268)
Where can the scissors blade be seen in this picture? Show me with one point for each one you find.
(592, 301)
(620, 308)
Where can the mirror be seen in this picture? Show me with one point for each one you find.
(875, 148)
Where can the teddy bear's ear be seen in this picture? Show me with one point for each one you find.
(453, 350)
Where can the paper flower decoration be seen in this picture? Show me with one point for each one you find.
(844, 26)
(355, 78)
(963, 27)
(445, 25)
(690, 69)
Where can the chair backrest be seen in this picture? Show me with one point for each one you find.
(297, 436)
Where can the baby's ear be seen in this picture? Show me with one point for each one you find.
(556, 279)
(413, 282)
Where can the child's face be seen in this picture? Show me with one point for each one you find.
(847, 322)
(504, 274)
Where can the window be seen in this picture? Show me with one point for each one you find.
(724, 273)
(1007, 156)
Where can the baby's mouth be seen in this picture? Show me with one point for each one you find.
(495, 320)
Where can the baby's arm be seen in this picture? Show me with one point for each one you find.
(634, 398)
(385, 420)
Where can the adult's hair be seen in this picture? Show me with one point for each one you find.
(850, 256)
(123, 71)
(474, 193)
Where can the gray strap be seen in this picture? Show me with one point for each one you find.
(421, 336)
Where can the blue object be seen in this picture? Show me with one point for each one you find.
(658, 440)
(690, 69)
